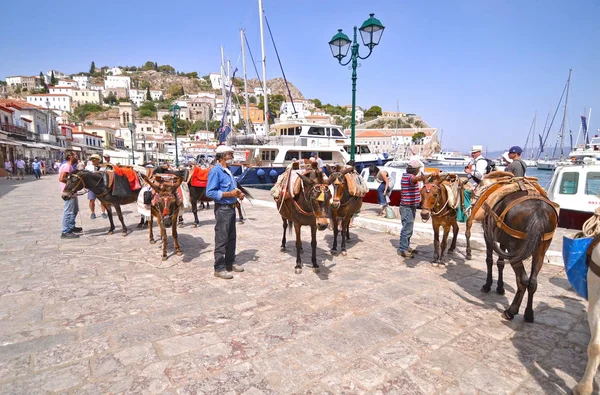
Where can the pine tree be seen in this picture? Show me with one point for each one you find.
(53, 80)
(148, 95)
(155, 66)
(93, 68)
(43, 83)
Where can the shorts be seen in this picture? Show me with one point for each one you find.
(91, 195)
(20, 171)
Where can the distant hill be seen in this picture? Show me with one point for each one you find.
(532, 153)
(277, 87)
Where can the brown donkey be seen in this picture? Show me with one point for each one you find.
(165, 208)
(435, 203)
(343, 206)
(308, 208)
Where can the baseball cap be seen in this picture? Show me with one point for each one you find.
(515, 150)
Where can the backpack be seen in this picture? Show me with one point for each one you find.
(491, 166)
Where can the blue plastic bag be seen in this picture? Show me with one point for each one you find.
(574, 251)
(460, 214)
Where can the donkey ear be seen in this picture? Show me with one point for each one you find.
(330, 170)
(442, 177)
(331, 179)
(306, 179)
(151, 183)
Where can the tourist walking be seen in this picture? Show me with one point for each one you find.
(221, 188)
(94, 165)
(37, 168)
(71, 206)
(410, 198)
(43, 166)
(8, 167)
(517, 166)
(20, 163)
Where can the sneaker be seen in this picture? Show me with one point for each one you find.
(224, 275)
(412, 250)
(93, 216)
(235, 268)
(406, 254)
(76, 229)
(104, 216)
(69, 235)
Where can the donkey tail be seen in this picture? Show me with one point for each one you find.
(538, 224)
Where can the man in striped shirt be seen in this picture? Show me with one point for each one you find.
(410, 198)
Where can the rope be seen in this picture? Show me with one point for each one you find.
(591, 227)
(280, 65)
(253, 62)
(268, 223)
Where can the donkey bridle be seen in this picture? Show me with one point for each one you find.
(80, 179)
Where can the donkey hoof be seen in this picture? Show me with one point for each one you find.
(344, 253)
(500, 291)
(282, 249)
(152, 241)
(124, 234)
(179, 253)
(139, 226)
(110, 232)
(451, 250)
(164, 258)
(469, 257)
(507, 315)
(195, 225)
(242, 222)
(316, 269)
(486, 288)
(298, 270)
(333, 252)
(528, 317)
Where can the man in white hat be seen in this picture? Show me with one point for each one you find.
(221, 188)
(94, 165)
(477, 167)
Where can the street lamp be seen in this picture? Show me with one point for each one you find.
(131, 127)
(145, 156)
(174, 111)
(370, 31)
(49, 118)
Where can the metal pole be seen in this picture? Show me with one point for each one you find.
(223, 75)
(132, 145)
(355, 47)
(245, 82)
(175, 131)
(562, 134)
(229, 82)
(264, 67)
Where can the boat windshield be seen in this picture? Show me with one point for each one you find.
(360, 149)
(592, 183)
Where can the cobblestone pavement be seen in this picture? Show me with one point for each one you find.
(104, 314)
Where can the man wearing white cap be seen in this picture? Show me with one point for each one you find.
(221, 188)
(477, 167)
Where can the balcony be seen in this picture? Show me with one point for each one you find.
(47, 138)
(12, 129)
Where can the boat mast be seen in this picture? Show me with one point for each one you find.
(529, 135)
(223, 78)
(264, 67)
(245, 81)
(562, 134)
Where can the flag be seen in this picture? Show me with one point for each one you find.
(571, 138)
(541, 143)
(225, 130)
(584, 128)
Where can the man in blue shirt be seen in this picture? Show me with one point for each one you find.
(221, 188)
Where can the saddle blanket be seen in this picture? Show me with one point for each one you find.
(357, 186)
(200, 177)
(132, 176)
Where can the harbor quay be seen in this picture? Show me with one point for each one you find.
(105, 314)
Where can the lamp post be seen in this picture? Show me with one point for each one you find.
(145, 158)
(49, 118)
(370, 31)
(174, 111)
(131, 127)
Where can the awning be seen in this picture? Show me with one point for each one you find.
(75, 148)
(10, 143)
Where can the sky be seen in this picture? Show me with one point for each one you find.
(479, 70)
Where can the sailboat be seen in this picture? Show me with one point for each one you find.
(530, 136)
(551, 163)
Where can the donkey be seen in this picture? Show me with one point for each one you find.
(94, 182)
(165, 208)
(308, 208)
(343, 206)
(519, 226)
(586, 384)
(434, 204)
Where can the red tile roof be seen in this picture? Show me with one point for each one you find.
(50, 94)
(6, 109)
(372, 133)
(26, 120)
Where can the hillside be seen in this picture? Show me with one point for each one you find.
(277, 86)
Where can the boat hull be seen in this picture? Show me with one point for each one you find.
(573, 219)
(371, 197)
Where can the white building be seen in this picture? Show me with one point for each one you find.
(57, 74)
(114, 71)
(83, 81)
(287, 110)
(258, 91)
(67, 82)
(138, 96)
(57, 103)
(61, 90)
(117, 81)
(23, 82)
(97, 87)
(216, 80)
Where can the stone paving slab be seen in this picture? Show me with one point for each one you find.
(103, 314)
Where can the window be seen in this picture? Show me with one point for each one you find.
(336, 133)
(315, 131)
(291, 155)
(569, 183)
(268, 155)
(592, 183)
(326, 155)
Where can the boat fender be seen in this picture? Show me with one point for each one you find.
(273, 173)
(386, 155)
(260, 173)
(379, 161)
